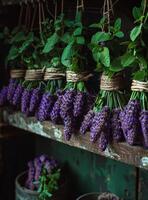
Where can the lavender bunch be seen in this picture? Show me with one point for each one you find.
(130, 121)
(67, 103)
(45, 106)
(3, 96)
(35, 100)
(144, 126)
(103, 141)
(18, 95)
(99, 123)
(87, 122)
(79, 104)
(25, 102)
(116, 128)
(31, 174)
(11, 90)
(68, 127)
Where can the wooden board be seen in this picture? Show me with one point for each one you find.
(136, 156)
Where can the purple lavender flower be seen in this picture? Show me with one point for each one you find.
(30, 179)
(67, 103)
(117, 132)
(98, 123)
(130, 121)
(79, 104)
(43, 158)
(38, 168)
(11, 90)
(144, 126)
(103, 141)
(45, 107)
(18, 95)
(35, 100)
(86, 124)
(55, 113)
(26, 101)
(90, 99)
(3, 96)
(68, 127)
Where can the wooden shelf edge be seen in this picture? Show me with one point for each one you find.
(132, 155)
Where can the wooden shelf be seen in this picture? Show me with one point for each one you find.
(132, 155)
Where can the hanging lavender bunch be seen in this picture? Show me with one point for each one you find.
(87, 122)
(18, 95)
(116, 128)
(144, 126)
(67, 103)
(79, 104)
(30, 178)
(55, 113)
(3, 96)
(25, 102)
(11, 90)
(35, 100)
(45, 106)
(99, 123)
(68, 127)
(130, 122)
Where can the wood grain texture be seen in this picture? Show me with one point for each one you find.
(132, 155)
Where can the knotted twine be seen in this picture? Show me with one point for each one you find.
(53, 74)
(139, 86)
(17, 73)
(75, 77)
(34, 74)
(107, 196)
(114, 83)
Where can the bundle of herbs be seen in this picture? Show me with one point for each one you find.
(43, 176)
(103, 121)
(134, 118)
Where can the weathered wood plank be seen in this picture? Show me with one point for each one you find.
(136, 156)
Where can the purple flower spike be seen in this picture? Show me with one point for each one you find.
(144, 126)
(35, 100)
(67, 103)
(103, 141)
(55, 113)
(99, 123)
(3, 96)
(11, 90)
(38, 168)
(26, 101)
(79, 104)
(45, 107)
(18, 95)
(30, 179)
(117, 132)
(68, 127)
(86, 124)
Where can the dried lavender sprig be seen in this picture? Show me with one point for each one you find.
(98, 123)
(86, 124)
(30, 178)
(3, 96)
(38, 168)
(103, 141)
(79, 104)
(144, 126)
(68, 127)
(35, 100)
(25, 102)
(18, 95)
(11, 90)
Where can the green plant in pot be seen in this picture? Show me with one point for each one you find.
(134, 118)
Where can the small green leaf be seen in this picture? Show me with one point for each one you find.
(80, 40)
(105, 57)
(51, 42)
(139, 76)
(127, 59)
(135, 32)
(95, 25)
(100, 37)
(119, 34)
(116, 65)
(20, 36)
(78, 31)
(13, 53)
(67, 55)
(136, 13)
(117, 24)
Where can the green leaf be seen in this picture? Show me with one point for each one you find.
(116, 65)
(136, 13)
(51, 42)
(78, 31)
(127, 59)
(78, 17)
(80, 40)
(95, 25)
(142, 62)
(27, 42)
(20, 36)
(13, 53)
(67, 55)
(119, 34)
(117, 24)
(135, 32)
(100, 37)
(105, 57)
(139, 76)
(66, 37)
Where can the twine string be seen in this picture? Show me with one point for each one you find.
(34, 16)
(56, 9)
(75, 77)
(80, 5)
(139, 86)
(17, 73)
(107, 196)
(53, 74)
(34, 74)
(114, 83)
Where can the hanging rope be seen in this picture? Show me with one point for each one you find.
(80, 5)
(34, 16)
(56, 9)
(21, 15)
(62, 6)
